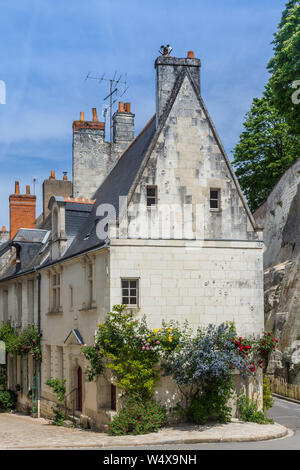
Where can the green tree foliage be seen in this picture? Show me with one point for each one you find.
(285, 65)
(266, 147)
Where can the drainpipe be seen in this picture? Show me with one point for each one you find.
(39, 343)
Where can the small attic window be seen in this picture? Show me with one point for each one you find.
(151, 196)
(214, 199)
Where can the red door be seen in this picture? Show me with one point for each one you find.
(79, 389)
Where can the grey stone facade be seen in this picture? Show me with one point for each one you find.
(167, 72)
(93, 156)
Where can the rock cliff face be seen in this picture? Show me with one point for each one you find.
(280, 217)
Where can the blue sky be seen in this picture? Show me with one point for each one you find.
(48, 47)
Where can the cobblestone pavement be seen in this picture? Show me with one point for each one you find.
(23, 432)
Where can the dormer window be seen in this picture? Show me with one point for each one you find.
(215, 199)
(151, 196)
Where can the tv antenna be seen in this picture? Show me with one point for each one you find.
(114, 93)
(34, 180)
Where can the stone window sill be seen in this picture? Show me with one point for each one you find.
(56, 311)
(88, 308)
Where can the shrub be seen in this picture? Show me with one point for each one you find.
(211, 403)
(138, 416)
(267, 394)
(8, 400)
(58, 387)
(249, 412)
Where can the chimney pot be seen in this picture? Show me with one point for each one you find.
(52, 175)
(17, 187)
(190, 54)
(127, 107)
(3, 228)
(28, 189)
(65, 178)
(95, 118)
(81, 116)
(121, 107)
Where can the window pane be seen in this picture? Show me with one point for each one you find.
(133, 301)
(126, 292)
(125, 284)
(125, 300)
(214, 204)
(132, 292)
(151, 192)
(151, 201)
(133, 284)
(214, 194)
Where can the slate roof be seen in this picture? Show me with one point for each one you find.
(76, 216)
(116, 184)
(33, 245)
(30, 235)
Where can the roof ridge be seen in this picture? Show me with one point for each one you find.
(79, 200)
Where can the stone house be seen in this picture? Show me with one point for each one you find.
(157, 222)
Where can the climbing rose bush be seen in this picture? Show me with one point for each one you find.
(131, 350)
(27, 343)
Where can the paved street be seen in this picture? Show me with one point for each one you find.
(283, 412)
(22, 432)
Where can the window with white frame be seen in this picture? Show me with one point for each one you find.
(215, 199)
(130, 289)
(55, 291)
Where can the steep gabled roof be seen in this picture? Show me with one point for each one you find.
(178, 83)
(117, 183)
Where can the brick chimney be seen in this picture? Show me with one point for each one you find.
(123, 125)
(21, 210)
(54, 187)
(168, 69)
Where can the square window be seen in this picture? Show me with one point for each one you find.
(129, 292)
